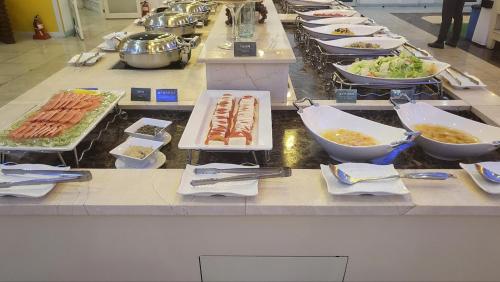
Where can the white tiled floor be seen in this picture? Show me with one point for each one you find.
(28, 62)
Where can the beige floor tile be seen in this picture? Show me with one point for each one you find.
(5, 78)
(17, 69)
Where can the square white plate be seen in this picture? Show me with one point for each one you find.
(28, 191)
(193, 137)
(487, 186)
(132, 130)
(119, 151)
(362, 170)
(237, 189)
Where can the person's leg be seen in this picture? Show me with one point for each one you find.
(458, 17)
(446, 16)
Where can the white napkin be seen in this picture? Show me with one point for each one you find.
(86, 58)
(238, 189)
(486, 185)
(364, 170)
(112, 40)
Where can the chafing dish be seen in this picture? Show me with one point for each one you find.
(171, 22)
(154, 49)
(198, 10)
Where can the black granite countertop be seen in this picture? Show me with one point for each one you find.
(293, 146)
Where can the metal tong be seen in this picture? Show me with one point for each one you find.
(246, 174)
(57, 176)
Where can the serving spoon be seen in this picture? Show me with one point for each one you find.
(488, 174)
(349, 180)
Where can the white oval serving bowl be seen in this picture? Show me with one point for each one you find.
(412, 114)
(318, 119)
(357, 78)
(312, 15)
(336, 20)
(325, 32)
(119, 151)
(338, 46)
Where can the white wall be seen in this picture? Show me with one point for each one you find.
(93, 5)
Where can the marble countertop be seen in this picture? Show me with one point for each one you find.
(272, 42)
(117, 192)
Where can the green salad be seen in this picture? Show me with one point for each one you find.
(402, 66)
(65, 138)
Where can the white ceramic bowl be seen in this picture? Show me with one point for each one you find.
(324, 32)
(312, 15)
(132, 130)
(338, 46)
(336, 20)
(318, 119)
(356, 78)
(119, 151)
(419, 112)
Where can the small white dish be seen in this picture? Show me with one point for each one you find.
(132, 130)
(28, 191)
(104, 47)
(363, 170)
(465, 81)
(487, 186)
(119, 151)
(85, 59)
(153, 162)
(237, 189)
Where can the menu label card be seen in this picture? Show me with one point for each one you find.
(140, 94)
(166, 95)
(245, 49)
(346, 95)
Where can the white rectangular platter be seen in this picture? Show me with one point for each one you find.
(76, 141)
(193, 137)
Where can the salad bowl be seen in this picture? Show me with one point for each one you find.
(325, 32)
(340, 46)
(347, 72)
(319, 119)
(326, 13)
(336, 20)
(412, 114)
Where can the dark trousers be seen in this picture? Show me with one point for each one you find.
(452, 9)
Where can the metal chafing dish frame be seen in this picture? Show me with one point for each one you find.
(315, 55)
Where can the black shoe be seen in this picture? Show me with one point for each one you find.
(437, 44)
(451, 44)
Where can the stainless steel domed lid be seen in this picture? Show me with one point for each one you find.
(190, 7)
(169, 19)
(150, 42)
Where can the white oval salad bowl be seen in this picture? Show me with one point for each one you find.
(412, 114)
(325, 32)
(336, 20)
(319, 119)
(341, 46)
(326, 13)
(365, 79)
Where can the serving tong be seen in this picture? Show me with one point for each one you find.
(57, 176)
(245, 174)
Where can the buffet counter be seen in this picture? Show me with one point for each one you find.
(131, 225)
(116, 192)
